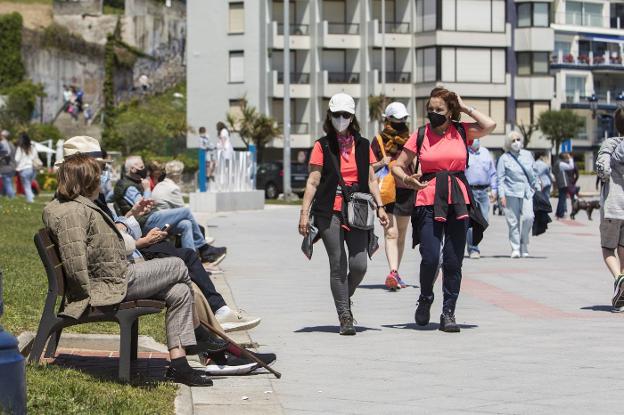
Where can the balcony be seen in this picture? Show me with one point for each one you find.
(606, 100)
(600, 63)
(534, 39)
(335, 82)
(340, 35)
(398, 84)
(461, 39)
(397, 34)
(582, 19)
(534, 88)
(299, 84)
(468, 89)
(299, 36)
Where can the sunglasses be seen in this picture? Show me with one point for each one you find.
(344, 115)
(516, 139)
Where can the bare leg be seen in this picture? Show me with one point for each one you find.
(391, 235)
(620, 253)
(612, 262)
(402, 224)
(176, 353)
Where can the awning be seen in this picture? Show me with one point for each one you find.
(594, 37)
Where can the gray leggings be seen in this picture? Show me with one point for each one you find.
(345, 274)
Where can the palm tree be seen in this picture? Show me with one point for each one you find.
(253, 126)
(376, 106)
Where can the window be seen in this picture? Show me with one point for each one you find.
(532, 63)
(237, 67)
(481, 65)
(533, 14)
(426, 17)
(494, 108)
(575, 86)
(472, 15)
(528, 112)
(236, 18)
(426, 65)
(562, 46)
(584, 14)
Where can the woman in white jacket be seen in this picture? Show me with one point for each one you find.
(27, 160)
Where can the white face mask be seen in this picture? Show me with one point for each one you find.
(516, 145)
(340, 124)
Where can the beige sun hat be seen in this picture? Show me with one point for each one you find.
(84, 145)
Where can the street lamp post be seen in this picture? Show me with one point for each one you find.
(383, 47)
(286, 157)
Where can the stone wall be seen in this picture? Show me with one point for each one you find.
(77, 7)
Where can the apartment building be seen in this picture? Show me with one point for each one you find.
(496, 54)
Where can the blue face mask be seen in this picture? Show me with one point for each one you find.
(476, 143)
(105, 177)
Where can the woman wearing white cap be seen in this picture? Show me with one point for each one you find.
(517, 183)
(352, 153)
(398, 198)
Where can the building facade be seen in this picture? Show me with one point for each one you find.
(511, 59)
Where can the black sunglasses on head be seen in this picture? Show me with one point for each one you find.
(343, 114)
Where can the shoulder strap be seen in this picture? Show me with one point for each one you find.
(521, 166)
(341, 181)
(419, 142)
(381, 145)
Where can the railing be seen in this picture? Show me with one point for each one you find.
(617, 22)
(343, 77)
(295, 78)
(296, 29)
(582, 19)
(587, 60)
(296, 127)
(397, 77)
(396, 27)
(343, 28)
(605, 97)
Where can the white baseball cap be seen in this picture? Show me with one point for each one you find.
(396, 110)
(342, 102)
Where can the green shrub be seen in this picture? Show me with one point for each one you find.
(21, 101)
(59, 37)
(12, 69)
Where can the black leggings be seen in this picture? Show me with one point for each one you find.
(196, 270)
(433, 234)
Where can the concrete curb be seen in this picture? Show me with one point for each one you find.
(184, 401)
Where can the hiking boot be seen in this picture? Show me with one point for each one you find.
(346, 324)
(423, 311)
(618, 292)
(392, 281)
(447, 323)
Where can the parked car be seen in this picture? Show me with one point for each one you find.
(270, 178)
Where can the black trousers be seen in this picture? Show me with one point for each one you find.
(432, 235)
(198, 274)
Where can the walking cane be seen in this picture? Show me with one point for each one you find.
(246, 353)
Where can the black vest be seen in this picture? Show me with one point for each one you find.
(323, 205)
(121, 205)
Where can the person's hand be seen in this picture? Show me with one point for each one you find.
(492, 197)
(146, 185)
(386, 160)
(503, 201)
(383, 217)
(414, 182)
(462, 107)
(304, 224)
(142, 207)
(154, 236)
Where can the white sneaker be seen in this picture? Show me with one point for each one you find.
(227, 370)
(475, 255)
(210, 240)
(515, 254)
(525, 255)
(234, 321)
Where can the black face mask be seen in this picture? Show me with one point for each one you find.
(141, 173)
(398, 126)
(436, 119)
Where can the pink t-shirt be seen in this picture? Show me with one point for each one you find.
(439, 153)
(348, 168)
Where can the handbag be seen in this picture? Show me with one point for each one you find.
(387, 184)
(358, 207)
(307, 246)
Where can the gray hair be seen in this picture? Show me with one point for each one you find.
(131, 161)
(174, 168)
(509, 139)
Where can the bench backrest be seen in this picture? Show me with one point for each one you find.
(51, 261)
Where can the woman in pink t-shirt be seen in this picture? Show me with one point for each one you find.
(443, 202)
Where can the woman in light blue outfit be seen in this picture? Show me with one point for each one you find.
(25, 157)
(544, 173)
(517, 182)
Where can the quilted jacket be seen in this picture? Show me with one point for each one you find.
(93, 254)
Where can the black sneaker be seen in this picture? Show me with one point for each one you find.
(212, 254)
(188, 377)
(423, 313)
(210, 345)
(448, 324)
(618, 292)
(346, 324)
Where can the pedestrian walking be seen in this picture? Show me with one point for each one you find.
(544, 173)
(342, 146)
(517, 183)
(610, 170)
(564, 164)
(7, 164)
(481, 175)
(444, 205)
(397, 198)
(27, 162)
(210, 147)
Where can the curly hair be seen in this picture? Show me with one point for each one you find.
(450, 98)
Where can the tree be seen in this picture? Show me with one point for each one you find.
(12, 69)
(527, 131)
(253, 126)
(376, 107)
(560, 125)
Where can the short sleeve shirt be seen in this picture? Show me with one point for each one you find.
(439, 153)
(348, 168)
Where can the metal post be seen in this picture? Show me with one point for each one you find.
(383, 47)
(201, 174)
(287, 188)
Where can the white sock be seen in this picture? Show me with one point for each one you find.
(223, 311)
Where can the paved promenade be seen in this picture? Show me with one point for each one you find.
(537, 335)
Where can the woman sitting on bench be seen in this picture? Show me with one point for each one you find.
(98, 274)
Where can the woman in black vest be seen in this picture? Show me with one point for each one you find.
(353, 154)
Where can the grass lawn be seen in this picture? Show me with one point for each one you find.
(25, 286)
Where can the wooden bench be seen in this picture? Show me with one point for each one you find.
(51, 326)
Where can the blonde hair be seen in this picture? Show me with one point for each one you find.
(174, 168)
